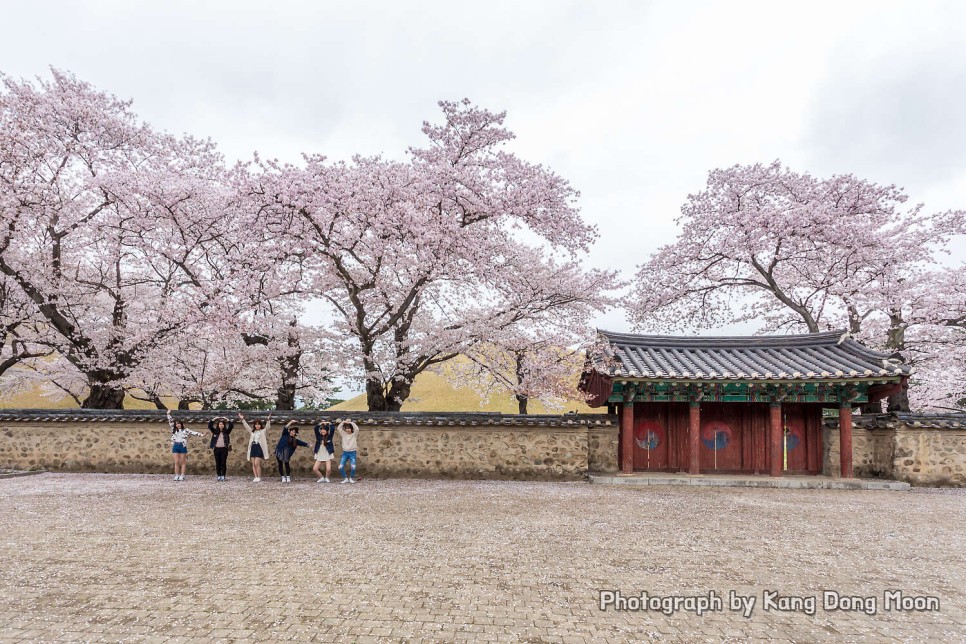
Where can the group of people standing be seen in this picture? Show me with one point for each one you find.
(221, 427)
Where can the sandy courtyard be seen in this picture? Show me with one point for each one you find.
(143, 558)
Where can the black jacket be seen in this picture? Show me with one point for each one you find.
(230, 425)
(324, 432)
(287, 445)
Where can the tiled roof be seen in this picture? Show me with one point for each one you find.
(892, 420)
(438, 419)
(814, 356)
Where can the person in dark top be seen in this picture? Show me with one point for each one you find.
(220, 428)
(324, 450)
(285, 449)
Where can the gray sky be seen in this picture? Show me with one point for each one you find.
(633, 102)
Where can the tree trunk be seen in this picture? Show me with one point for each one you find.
(375, 395)
(285, 397)
(899, 401)
(289, 363)
(185, 403)
(398, 393)
(104, 396)
(896, 341)
(522, 399)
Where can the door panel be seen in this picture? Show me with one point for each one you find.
(722, 433)
(651, 437)
(803, 438)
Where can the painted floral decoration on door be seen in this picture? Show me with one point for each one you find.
(649, 435)
(716, 435)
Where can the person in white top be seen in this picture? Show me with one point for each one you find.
(257, 444)
(179, 446)
(349, 433)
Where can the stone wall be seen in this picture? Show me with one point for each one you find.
(476, 446)
(602, 448)
(930, 457)
(920, 449)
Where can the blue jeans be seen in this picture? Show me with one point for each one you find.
(351, 457)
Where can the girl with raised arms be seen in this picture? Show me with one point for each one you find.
(285, 449)
(257, 444)
(179, 446)
(220, 428)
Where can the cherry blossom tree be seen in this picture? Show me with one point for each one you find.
(88, 193)
(420, 259)
(764, 243)
(21, 337)
(206, 366)
(540, 357)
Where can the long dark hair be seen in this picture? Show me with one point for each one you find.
(258, 424)
(174, 425)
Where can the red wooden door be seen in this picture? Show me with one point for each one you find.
(651, 437)
(803, 438)
(722, 433)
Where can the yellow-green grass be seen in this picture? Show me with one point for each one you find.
(432, 392)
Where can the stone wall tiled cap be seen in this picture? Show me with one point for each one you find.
(921, 420)
(833, 355)
(307, 418)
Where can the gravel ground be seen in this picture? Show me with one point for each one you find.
(144, 558)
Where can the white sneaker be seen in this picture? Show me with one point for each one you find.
(177, 478)
(345, 480)
(321, 480)
(326, 479)
(352, 480)
(256, 480)
(288, 479)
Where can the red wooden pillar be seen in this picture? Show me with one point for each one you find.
(776, 437)
(845, 440)
(694, 437)
(627, 438)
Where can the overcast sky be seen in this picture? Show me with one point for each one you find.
(633, 102)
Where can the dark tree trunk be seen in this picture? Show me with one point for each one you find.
(289, 364)
(896, 341)
(375, 395)
(398, 393)
(522, 399)
(379, 400)
(104, 396)
(185, 403)
(899, 401)
(285, 397)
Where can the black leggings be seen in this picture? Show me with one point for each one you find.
(221, 461)
(284, 468)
